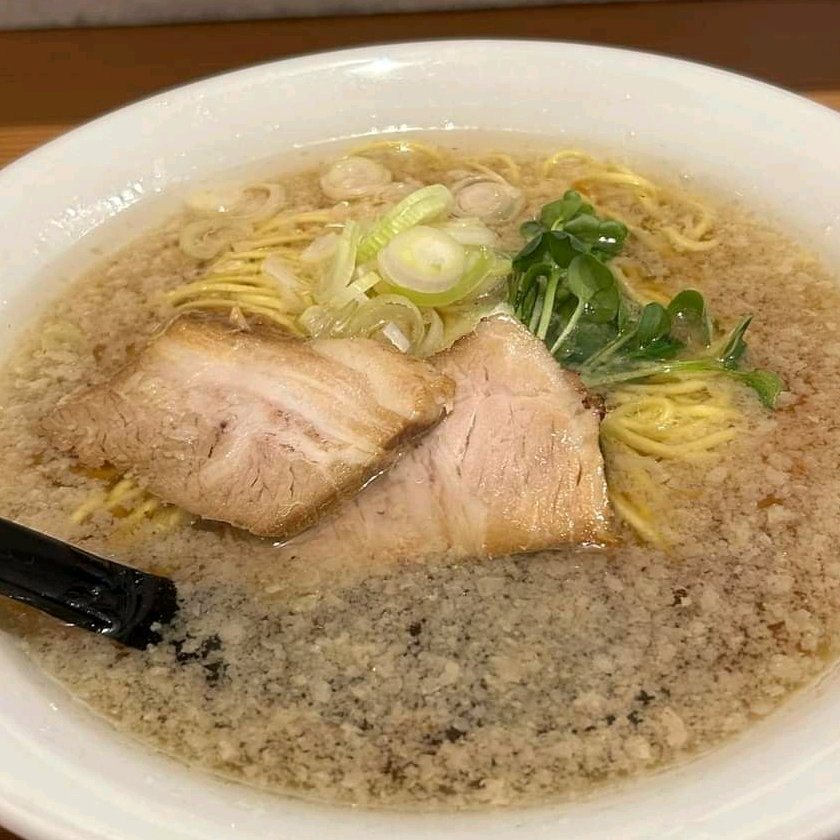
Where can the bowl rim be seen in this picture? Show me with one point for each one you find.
(316, 56)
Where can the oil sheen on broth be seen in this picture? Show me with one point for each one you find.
(457, 683)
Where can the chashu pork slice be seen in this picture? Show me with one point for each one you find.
(257, 428)
(515, 467)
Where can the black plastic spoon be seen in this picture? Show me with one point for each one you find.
(80, 588)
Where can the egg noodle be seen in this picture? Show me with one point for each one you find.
(128, 503)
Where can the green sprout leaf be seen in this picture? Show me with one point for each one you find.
(531, 229)
(563, 209)
(690, 319)
(564, 291)
(765, 383)
(735, 347)
(592, 283)
(654, 324)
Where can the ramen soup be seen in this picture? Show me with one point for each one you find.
(598, 536)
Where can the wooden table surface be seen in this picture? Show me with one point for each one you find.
(53, 80)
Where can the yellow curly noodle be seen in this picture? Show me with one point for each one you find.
(129, 505)
(236, 281)
(673, 420)
(484, 165)
(677, 418)
(682, 417)
(670, 221)
(636, 282)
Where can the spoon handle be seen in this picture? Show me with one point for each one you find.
(80, 588)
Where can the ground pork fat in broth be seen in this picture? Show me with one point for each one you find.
(512, 680)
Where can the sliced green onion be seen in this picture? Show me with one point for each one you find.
(354, 177)
(397, 337)
(423, 259)
(484, 271)
(321, 249)
(289, 287)
(491, 266)
(422, 206)
(207, 238)
(340, 272)
(470, 232)
(378, 312)
(459, 320)
(433, 340)
(255, 202)
(317, 320)
(490, 201)
(357, 290)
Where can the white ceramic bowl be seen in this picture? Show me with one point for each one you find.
(63, 774)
